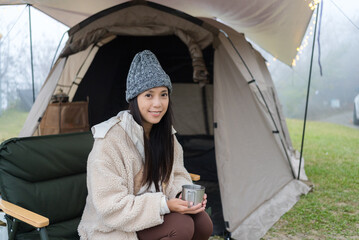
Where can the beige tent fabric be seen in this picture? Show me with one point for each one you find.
(259, 222)
(253, 174)
(75, 69)
(273, 95)
(143, 21)
(73, 65)
(256, 66)
(188, 107)
(42, 100)
(63, 74)
(277, 26)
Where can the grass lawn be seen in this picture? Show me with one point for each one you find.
(331, 211)
(11, 122)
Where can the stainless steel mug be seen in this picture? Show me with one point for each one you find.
(193, 193)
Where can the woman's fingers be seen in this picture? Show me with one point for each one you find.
(204, 202)
(184, 207)
(178, 205)
(204, 196)
(195, 211)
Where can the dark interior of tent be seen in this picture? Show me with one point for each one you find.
(104, 86)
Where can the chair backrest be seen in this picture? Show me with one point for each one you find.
(47, 175)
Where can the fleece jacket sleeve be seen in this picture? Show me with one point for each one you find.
(108, 186)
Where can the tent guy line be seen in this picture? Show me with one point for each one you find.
(16, 21)
(346, 16)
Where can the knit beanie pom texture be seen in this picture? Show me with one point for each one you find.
(145, 73)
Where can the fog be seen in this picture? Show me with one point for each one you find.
(332, 92)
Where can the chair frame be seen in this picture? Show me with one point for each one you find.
(20, 214)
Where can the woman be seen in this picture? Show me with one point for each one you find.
(135, 169)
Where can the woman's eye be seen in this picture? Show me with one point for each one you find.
(148, 95)
(164, 94)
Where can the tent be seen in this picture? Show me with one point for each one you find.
(224, 102)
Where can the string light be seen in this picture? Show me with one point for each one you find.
(293, 63)
(312, 5)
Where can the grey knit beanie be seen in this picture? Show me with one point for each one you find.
(145, 73)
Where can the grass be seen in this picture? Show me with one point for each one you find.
(331, 154)
(331, 211)
(11, 122)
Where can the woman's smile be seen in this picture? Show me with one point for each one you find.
(155, 113)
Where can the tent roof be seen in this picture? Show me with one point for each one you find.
(277, 26)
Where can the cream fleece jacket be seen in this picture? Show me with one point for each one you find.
(113, 210)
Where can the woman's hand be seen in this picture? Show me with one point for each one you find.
(181, 206)
(204, 202)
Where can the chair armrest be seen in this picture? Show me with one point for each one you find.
(23, 214)
(195, 177)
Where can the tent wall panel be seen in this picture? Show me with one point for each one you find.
(73, 66)
(248, 159)
(276, 103)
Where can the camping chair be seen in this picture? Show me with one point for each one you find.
(45, 176)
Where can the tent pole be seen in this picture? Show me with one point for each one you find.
(31, 56)
(308, 89)
(57, 49)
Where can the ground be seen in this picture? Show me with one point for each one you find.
(344, 118)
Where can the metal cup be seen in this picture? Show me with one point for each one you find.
(193, 193)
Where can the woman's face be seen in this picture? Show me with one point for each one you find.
(152, 104)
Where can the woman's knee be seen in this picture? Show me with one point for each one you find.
(175, 227)
(203, 226)
(182, 226)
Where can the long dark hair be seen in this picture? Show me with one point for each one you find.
(158, 148)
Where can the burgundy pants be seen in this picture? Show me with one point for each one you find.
(180, 226)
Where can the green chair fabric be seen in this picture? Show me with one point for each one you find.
(47, 175)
